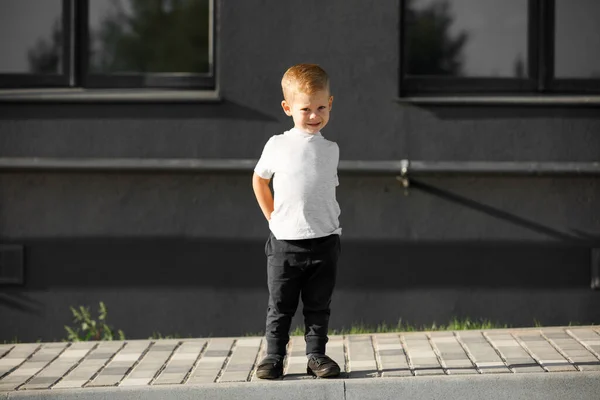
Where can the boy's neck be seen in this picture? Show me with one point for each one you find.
(305, 132)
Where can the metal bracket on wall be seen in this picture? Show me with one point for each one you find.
(595, 268)
(403, 177)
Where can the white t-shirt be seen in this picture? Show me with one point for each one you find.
(305, 169)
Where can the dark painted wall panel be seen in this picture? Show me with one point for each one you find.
(503, 133)
(56, 205)
(184, 253)
(203, 287)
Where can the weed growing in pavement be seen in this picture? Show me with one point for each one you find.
(88, 329)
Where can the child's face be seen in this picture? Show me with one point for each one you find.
(309, 111)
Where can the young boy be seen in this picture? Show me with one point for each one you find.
(304, 244)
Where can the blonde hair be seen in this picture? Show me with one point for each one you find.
(304, 78)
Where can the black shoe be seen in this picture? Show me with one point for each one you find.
(271, 367)
(322, 367)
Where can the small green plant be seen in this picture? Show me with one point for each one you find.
(88, 329)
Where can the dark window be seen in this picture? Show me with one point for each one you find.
(107, 43)
(503, 47)
(577, 39)
(33, 48)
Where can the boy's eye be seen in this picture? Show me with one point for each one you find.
(322, 107)
(304, 109)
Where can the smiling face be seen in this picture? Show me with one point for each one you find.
(309, 111)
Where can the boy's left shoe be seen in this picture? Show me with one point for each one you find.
(322, 366)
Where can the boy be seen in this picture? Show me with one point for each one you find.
(304, 243)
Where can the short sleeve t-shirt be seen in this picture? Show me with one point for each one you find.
(304, 171)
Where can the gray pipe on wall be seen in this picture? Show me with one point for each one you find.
(403, 168)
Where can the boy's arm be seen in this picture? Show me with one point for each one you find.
(263, 194)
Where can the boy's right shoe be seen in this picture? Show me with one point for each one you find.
(322, 366)
(271, 367)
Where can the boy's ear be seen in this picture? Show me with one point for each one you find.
(286, 108)
(330, 102)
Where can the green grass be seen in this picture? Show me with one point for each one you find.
(453, 325)
(159, 336)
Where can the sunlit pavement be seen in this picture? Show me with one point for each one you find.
(554, 362)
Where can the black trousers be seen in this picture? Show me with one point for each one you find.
(300, 268)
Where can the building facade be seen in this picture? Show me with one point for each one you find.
(138, 194)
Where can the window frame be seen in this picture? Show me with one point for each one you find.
(540, 56)
(75, 75)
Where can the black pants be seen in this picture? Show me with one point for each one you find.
(295, 268)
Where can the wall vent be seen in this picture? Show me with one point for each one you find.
(11, 264)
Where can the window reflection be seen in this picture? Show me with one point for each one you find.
(577, 52)
(483, 38)
(142, 36)
(31, 32)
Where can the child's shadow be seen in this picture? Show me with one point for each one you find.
(343, 375)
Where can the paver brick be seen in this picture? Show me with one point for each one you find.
(548, 357)
(55, 371)
(5, 348)
(115, 371)
(516, 357)
(335, 350)
(392, 356)
(241, 361)
(296, 359)
(150, 365)
(424, 361)
(362, 357)
(578, 353)
(209, 365)
(452, 355)
(33, 365)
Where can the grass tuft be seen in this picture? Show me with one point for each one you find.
(454, 324)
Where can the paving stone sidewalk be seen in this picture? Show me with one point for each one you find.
(148, 363)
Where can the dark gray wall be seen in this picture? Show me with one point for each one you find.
(182, 253)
